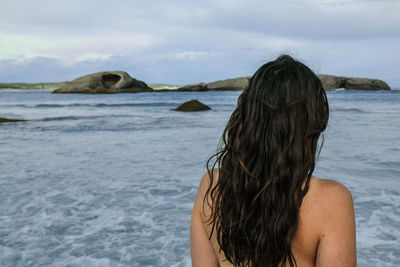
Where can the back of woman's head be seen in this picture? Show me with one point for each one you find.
(266, 162)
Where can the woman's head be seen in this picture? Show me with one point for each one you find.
(266, 162)
(284, 108)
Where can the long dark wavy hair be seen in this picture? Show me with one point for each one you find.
(267, 157)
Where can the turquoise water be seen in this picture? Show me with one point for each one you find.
(109, 180)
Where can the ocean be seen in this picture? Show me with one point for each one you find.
(109, 180)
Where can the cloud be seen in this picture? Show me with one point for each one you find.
(190, 54)
(310, 19)
(175, 56)
(188, 41)
(74, 45)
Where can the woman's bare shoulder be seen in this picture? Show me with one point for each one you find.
(333, 217)
(329, 191)
(208, 177)
(327, 202)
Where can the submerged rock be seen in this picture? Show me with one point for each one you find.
(104, 83)
(9, 120)
(192, 105)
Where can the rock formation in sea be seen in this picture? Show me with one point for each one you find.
(235, 84)
(192, 105)
(9, 120)
(193, 87)
(121, 82)
(333, 82)
(104, 83)
(329, 82)
(365, 84)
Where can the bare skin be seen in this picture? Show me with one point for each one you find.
(325, 237)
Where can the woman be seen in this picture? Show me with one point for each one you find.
(262, 206)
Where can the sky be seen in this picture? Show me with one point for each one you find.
(183, 42)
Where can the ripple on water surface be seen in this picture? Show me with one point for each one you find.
(109, 180)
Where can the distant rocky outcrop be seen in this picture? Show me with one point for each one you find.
(333, 82)
(192, 105)
(121, 82)
(9, 120)
(198, 87)
(104, 83)
(235, 84)
(365, 84)
(329, 82)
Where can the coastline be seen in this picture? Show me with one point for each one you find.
(53, 86)
(93, 84)
(31, 86)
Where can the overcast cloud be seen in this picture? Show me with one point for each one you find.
(182, 42)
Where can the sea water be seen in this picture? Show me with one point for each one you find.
(109, 180)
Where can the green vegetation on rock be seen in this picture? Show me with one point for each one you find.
(9, 120)
(161, 86)
(31, 86)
